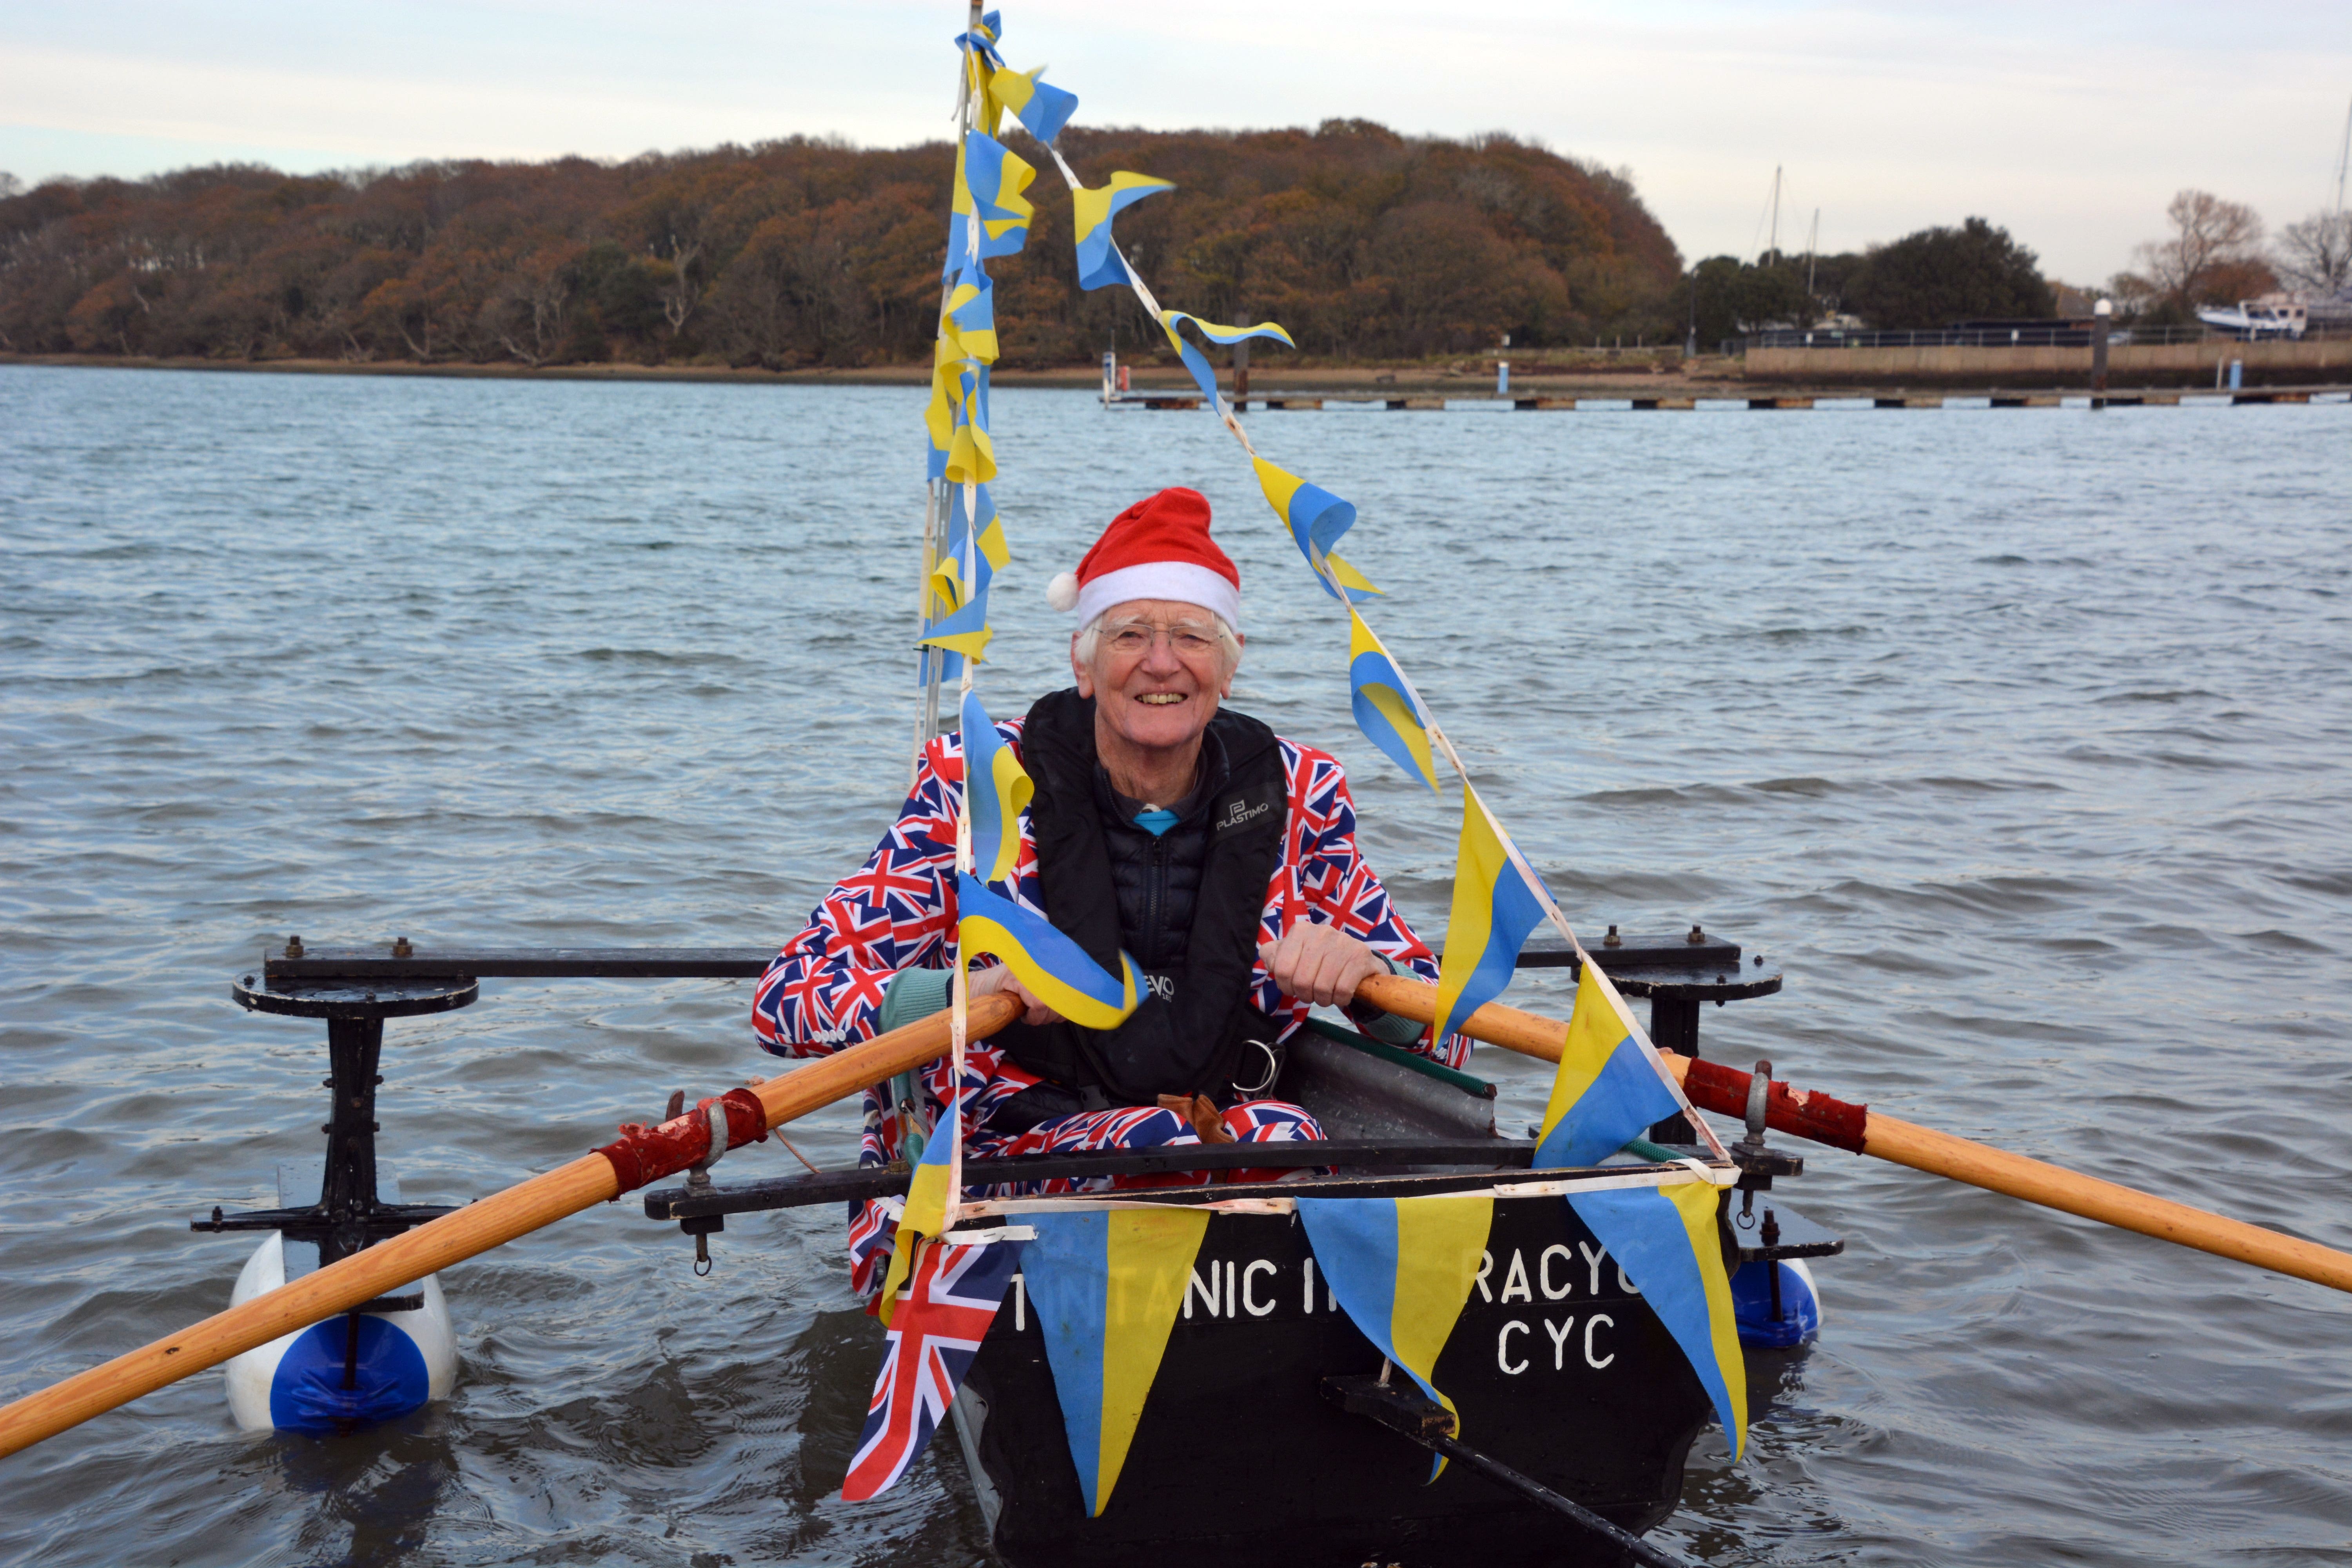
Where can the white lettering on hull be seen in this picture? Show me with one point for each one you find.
(1559, 1333)
(1250, 1303)
(1503, 1349)
(1207, 1292)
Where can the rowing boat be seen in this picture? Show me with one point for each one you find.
(1246, 1450)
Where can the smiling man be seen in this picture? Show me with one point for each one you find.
(1221, 856)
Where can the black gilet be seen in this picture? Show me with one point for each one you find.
(1190, 1041)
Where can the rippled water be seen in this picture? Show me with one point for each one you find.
(2019, 739)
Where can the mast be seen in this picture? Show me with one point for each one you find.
(1776, 213)
(2344, 161)
(935, 491)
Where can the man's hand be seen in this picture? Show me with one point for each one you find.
(1320, 963)
(996, 977)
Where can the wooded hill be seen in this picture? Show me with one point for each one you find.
(1363, 243)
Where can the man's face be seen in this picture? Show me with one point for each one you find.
(1158, 672)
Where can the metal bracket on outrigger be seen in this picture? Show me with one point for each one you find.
(349, 1214)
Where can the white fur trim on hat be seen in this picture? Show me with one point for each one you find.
(1179, 580)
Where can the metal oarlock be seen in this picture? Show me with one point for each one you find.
(691, 1141)
(698, 1180)
(1759, 1101)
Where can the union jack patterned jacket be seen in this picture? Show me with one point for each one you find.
(824, 990)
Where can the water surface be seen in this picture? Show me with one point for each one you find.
(2021, 740)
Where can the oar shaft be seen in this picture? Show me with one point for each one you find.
(479, 1226)
(1998, 1170)
(1723, 1090)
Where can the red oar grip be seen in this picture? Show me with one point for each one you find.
(643, 1155)
(1836, 1122)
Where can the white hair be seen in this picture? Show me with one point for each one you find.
(1229, 645)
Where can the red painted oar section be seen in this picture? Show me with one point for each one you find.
(1867, 1132)
(641, 1154)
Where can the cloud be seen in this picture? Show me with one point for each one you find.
(2070, 125)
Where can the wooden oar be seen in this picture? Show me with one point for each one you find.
(647, 1153)
(1847, 1126)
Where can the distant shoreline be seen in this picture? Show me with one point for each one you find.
(1371, 380)
(1470, 379)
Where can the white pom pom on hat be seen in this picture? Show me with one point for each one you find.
(1158, 548)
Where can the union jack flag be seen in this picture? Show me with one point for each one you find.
(934, 1334)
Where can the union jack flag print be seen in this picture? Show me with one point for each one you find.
(897, 913)
(933, 1336)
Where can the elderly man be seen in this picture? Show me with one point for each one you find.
(1221, 856)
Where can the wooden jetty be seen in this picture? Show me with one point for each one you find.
(1694, 402)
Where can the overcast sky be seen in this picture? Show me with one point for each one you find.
(2069, 124)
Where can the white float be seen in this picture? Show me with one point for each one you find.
(295, 1383)
(1799, 1322)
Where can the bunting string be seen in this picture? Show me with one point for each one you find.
(1499, 899)
(1317, 518)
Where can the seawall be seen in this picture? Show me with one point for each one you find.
(2315, 360)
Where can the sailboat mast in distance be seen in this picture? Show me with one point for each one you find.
(2343, 159)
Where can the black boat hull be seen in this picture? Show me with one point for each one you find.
(1557, 1368)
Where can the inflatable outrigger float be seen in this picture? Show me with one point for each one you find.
(1269, 1400)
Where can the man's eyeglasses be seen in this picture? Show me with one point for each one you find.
(1187, 640)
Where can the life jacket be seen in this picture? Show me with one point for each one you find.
(1190, 1041)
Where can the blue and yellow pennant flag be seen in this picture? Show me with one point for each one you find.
(960, 604)
(982, 62)
(1495, 908)
(939, 414)
(1385, 710)
(1205, 375)
(1105, 1286)
(971, 452)
(984, 39)
(956, 601)
(988, 180)
(966, 632)
(1664, 1238)
(1055, 968)
(1607, 1089)
(1317, 520)
(1093, 210)
(1042, 107)
(926, 1211)
(952, 588)
(956, 420)
(998, 790)
(993, 551)
(1402, 1268)
(968, 322)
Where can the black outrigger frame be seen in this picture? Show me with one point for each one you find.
(356, 989)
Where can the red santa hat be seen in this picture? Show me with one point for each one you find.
(1158, 548)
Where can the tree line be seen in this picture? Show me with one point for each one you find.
(806, 252)
(2214, 252)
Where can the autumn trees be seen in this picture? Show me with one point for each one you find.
(2316, 255)
(807, 252)
(2212, 253)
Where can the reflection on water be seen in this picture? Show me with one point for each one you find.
(2017, 739)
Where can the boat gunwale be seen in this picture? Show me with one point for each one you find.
(1282, 1197)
